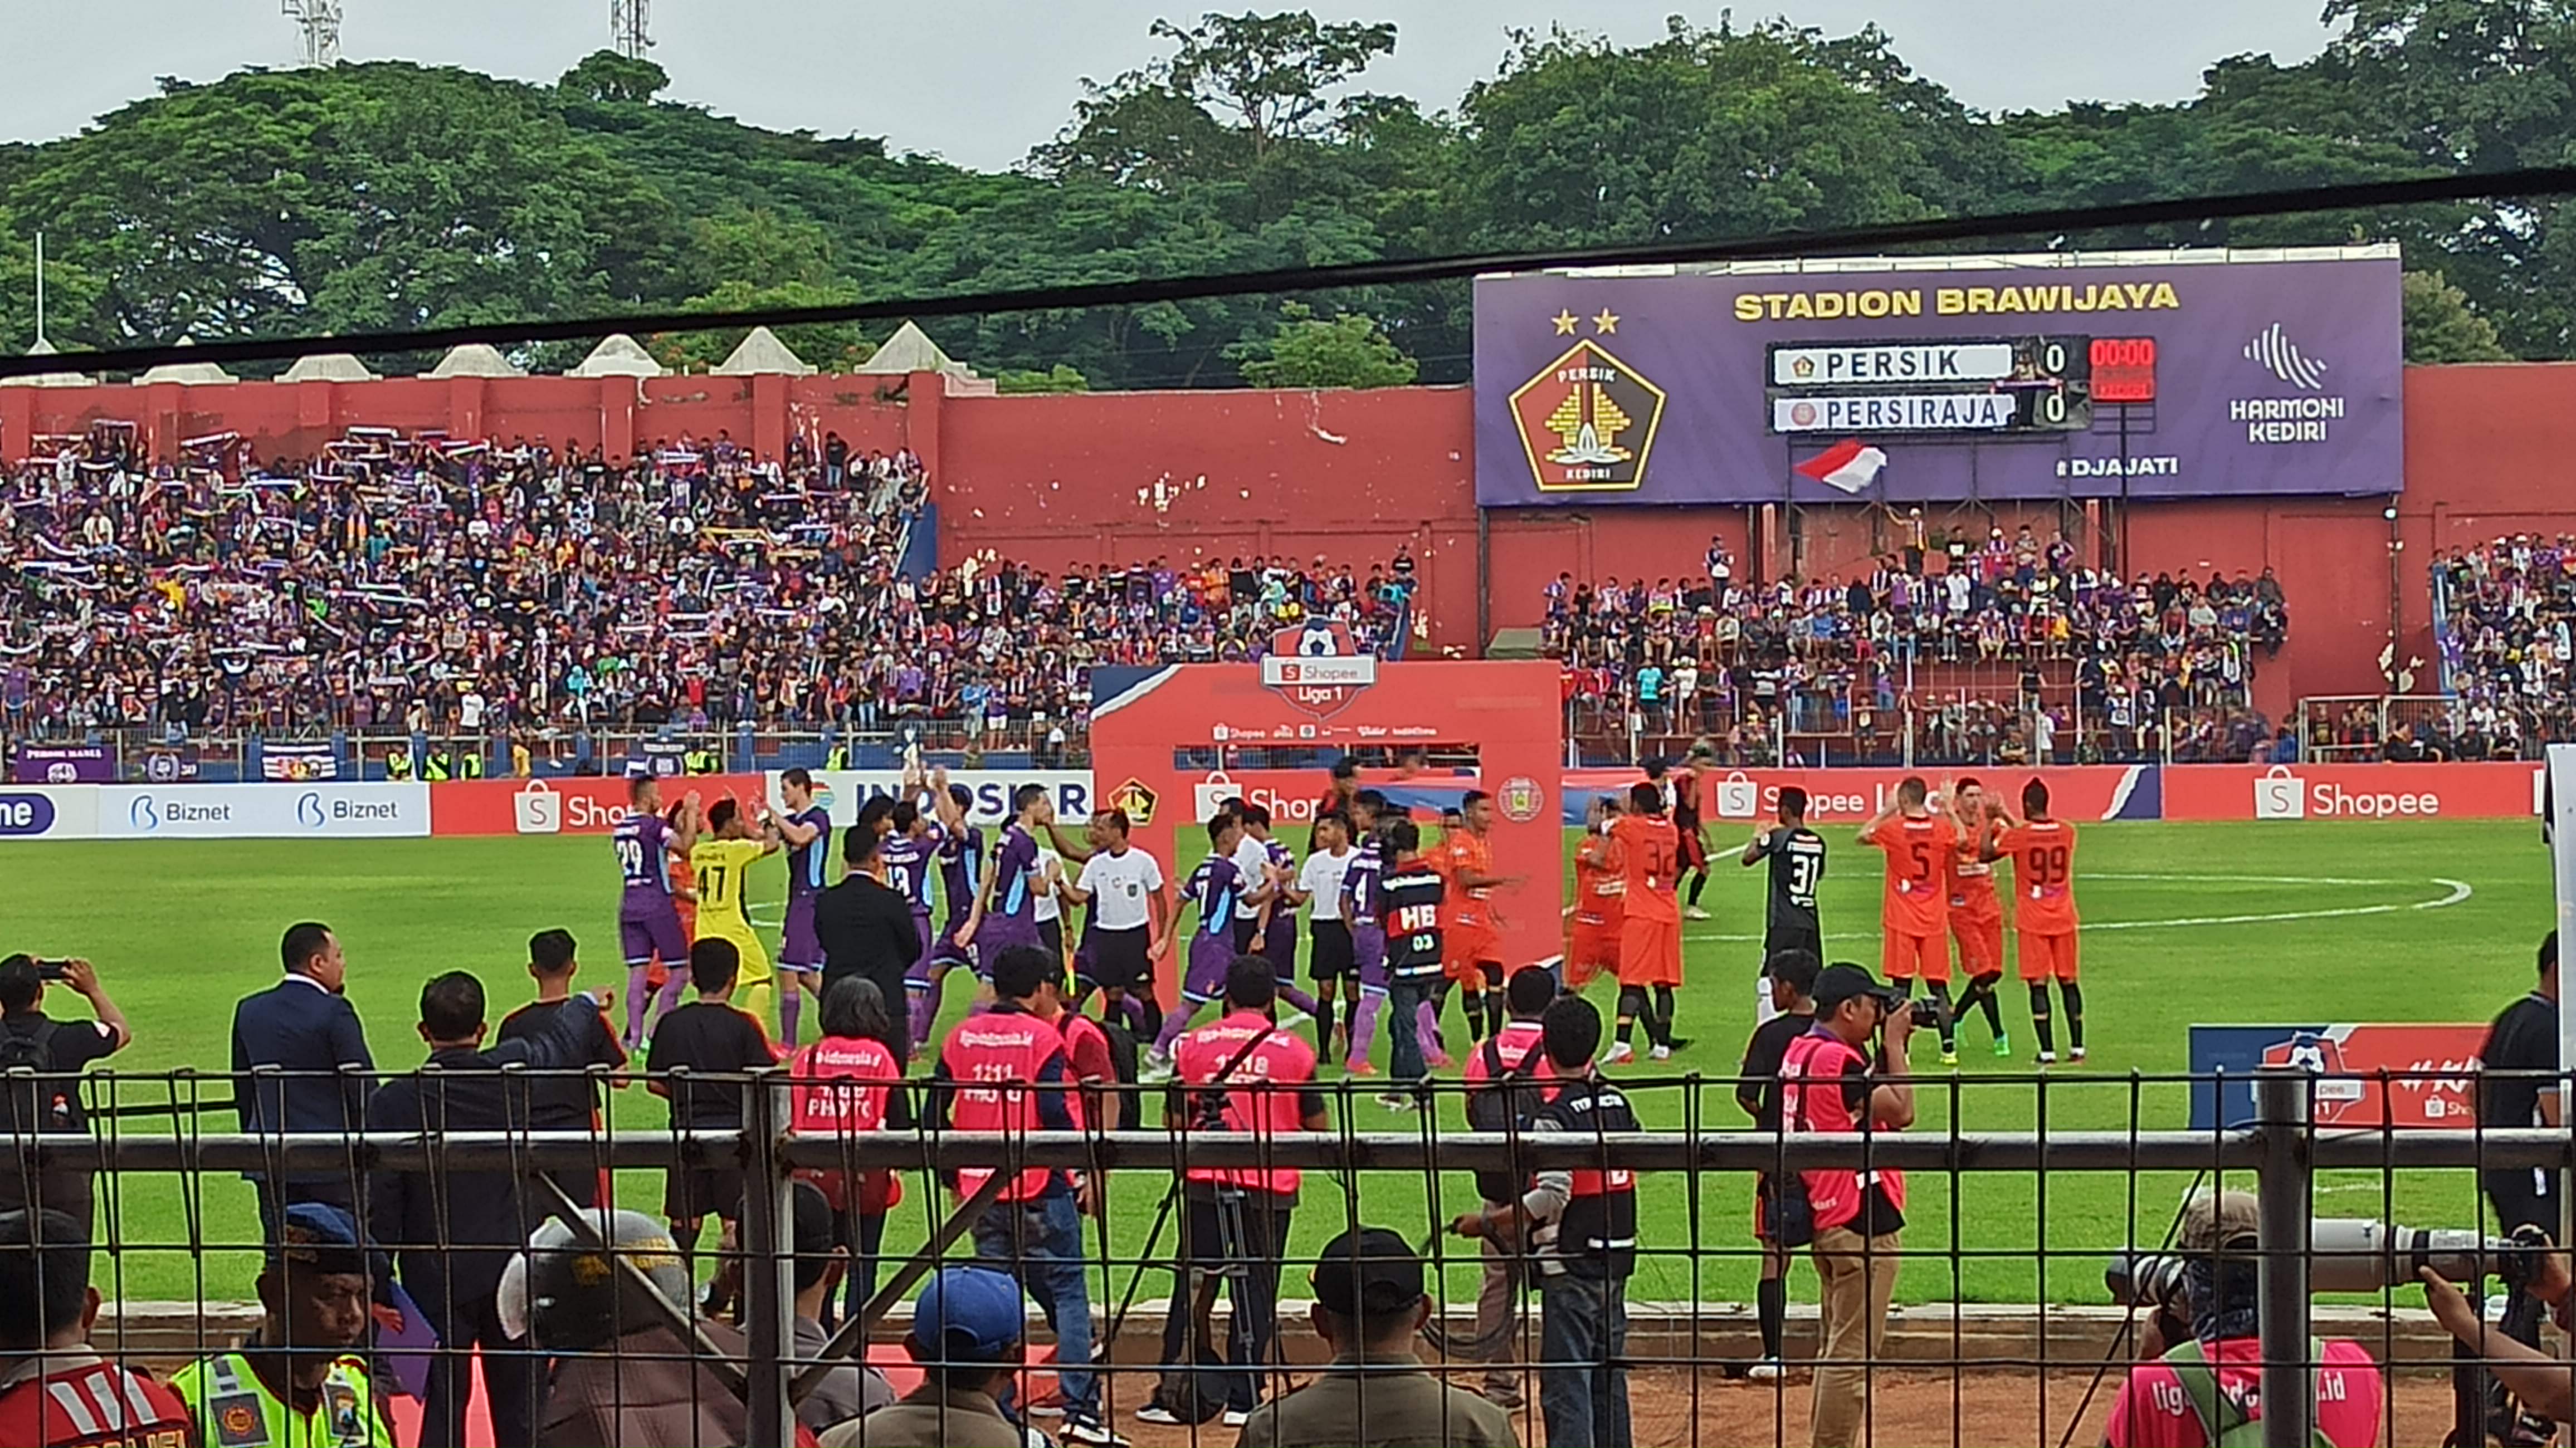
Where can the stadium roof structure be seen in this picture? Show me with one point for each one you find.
(44, 348)
(762, 352)
(618, 355)
(911, 350)
(475, 359)
(329, 367)
(187, 374)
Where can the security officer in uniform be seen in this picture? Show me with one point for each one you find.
(300, 1381)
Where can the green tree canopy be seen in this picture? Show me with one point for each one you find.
(1309, 351)
(389, 195)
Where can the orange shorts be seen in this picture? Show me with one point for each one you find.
(1981, 941)
(1465, 947)
(1904, 956)
(2043, 956)
(1594, 949)
(1650, 952)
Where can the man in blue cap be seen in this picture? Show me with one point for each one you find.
(968, 1330)
(301, 1379)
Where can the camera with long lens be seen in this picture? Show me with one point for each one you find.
(2344, 1255)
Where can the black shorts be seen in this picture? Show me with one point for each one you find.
(1335, 958)
(695, 1193)
(1120, 960)
(1247, 935)
(1051, 935)
(1792, 937)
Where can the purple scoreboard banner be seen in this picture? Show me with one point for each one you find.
(2205, 375)
(65, 764)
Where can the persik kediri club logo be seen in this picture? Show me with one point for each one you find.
(1587, 420)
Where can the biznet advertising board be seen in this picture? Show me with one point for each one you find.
(262, 811)
(2044, 376)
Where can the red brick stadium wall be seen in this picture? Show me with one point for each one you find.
(1186, 475)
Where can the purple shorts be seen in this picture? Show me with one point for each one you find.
(797, 947)
(654, 934)
(1368, 946)
(1004, 932)
(1279, 943)
(1211, 956)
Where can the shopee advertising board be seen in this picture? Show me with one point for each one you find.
(578, 805)
(843, 791)
(1849, 796)
(2480, 790)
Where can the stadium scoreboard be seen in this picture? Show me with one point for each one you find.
(1971, 385)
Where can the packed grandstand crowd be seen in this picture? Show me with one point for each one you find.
(423, 585)
(2506, 612)
(2084, 665)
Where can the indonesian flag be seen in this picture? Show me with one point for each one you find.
(1847, 465)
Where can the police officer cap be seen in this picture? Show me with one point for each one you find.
(574, 1295)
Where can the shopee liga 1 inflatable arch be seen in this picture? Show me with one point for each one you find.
(1170, 745)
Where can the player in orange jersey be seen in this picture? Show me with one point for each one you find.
(1471, 938)
(1599, 893)
(1976, 916)
(1914, 911)
(1647, 850)
(2043, 856)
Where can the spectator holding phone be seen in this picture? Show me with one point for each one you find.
(56, 1052)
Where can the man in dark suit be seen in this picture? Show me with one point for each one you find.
(866, 929)
(306, 1030)
(452, 1233)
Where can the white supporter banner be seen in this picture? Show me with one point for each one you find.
(844, 791)
(263, 811)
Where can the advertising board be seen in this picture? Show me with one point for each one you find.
(576, 805)
(2479, 790)
(321, 810)
(2403, 1075)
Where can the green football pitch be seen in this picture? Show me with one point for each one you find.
(2184, 923)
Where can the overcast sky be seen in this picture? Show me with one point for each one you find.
(981, 81)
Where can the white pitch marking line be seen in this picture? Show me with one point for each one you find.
(2246, 879)
(2457, 891)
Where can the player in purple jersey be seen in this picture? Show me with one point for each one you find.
(1214, 887)
(960, 855)
(907, 853)
(648, 914)
(1006, 912)
(1276, 939)
(1360, 889)
(807, 829)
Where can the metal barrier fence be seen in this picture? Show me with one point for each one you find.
(1683, 1355)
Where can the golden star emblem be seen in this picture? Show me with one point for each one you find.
(1564, 324)
(1608, 321)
